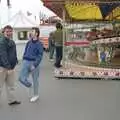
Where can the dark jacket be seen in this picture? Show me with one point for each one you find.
(33, 52)
(51, 42)
(8, 55)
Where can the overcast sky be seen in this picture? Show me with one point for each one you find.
(33, 6)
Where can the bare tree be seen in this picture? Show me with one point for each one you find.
(8, 3)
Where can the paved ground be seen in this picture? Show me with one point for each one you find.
(66, 100)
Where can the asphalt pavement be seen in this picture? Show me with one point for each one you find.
(64, 99)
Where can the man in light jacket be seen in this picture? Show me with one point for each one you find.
(58, 38)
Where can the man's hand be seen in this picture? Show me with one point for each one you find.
(10, 71)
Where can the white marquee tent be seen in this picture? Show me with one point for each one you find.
(20, 22)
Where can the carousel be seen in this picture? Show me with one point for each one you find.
(91, 47)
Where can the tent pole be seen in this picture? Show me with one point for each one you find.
(0, 16)
(63, 16)
(9, 13)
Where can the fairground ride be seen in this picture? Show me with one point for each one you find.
(91, 38)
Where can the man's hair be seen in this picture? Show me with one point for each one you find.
(36, 30)
(7, 27)
(59, 26)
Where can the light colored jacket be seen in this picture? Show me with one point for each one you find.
(58, 37)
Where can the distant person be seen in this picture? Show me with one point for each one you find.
(58, 38)
(8, 61)
(51, 46)
(32, 57)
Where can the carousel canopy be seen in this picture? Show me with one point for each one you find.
(85, 9)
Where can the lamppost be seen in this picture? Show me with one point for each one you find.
(9, 7)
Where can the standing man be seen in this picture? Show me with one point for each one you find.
(58, 38)
(8, 61)
(31, 63)
(51, 46)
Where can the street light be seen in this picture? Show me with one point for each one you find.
(9, 7)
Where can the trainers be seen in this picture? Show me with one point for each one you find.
(34, 99)
(26, 83)
(51, 60)
(57, 66)
(14, 103)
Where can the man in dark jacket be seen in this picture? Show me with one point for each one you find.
(8, 61)
(51, 46)
(31, 63)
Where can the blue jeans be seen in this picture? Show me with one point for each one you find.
(25, 72)
(59, 55)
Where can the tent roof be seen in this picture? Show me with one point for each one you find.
(72, 14)
(19, 20)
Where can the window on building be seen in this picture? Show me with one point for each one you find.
(23, 35)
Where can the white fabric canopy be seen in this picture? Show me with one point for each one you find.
(19, 20)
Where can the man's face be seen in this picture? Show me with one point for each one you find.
(33, 33)
(8, 33)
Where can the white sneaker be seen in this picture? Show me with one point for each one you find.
(51, 60)
(34, 99)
